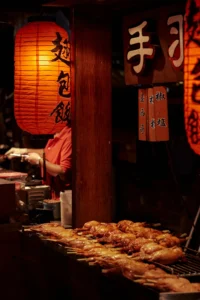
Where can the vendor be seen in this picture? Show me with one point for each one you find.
(58, 160)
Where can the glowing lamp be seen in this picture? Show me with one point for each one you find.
(192, 74)
(42, 97)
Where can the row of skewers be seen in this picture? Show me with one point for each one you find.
(90, 243)
(136, 239)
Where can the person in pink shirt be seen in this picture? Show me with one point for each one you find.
(58, 160)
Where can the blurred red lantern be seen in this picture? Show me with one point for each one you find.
(192, 74)
(42, 96)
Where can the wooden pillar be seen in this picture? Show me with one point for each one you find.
(91, 116)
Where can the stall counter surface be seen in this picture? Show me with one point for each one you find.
(9, 174)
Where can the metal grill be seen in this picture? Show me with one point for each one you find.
(188, 268)
(37, 194)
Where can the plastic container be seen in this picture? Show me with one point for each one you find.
(54, 205)
(66, 208)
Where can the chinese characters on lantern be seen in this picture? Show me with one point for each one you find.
(141, 48)
(62, 49)
(153, 114)
(192, 74)
(63, 80)
(62, 112)
(62, 53)
(193, 126)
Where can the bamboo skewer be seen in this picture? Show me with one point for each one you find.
(71, 249)
(26, 230)
(193, 228)
(84, 259)
(156, 225)
(110, 270)
(139, 280)
(149, 284)
(93, 263)
(139, 276)
(151, 280)
(183, 235)
(50, 240)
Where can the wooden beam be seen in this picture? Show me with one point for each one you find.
(91, 117)
(114, 4)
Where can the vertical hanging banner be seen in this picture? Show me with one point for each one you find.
(153, 114)
(142, 114)
(151, 121)
(192, 74)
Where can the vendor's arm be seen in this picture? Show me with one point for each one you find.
(53, 169)
(22, 151)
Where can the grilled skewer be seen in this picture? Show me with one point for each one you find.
(109, 231)
(155, 252)
(147, 249)
(141, 230)
(112, 260)
(174, 284)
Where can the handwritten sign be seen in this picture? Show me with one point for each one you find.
(153, 114)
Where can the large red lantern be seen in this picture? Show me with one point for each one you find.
(42, 96)
(192, 74)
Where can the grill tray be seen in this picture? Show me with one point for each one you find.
(188, 268)
(145, 293)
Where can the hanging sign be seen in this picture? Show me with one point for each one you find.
(153, 46)
(153, 114)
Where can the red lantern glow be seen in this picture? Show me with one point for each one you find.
(42, 78)
(192, 74)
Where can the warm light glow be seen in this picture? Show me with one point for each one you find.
(42, 77)
(44, 60)
(192, 74)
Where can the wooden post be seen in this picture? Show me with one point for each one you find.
(91, 117)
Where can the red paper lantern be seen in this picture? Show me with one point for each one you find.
(192, 74)
(42, 96)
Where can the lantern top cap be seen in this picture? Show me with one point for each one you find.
(41, 19)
